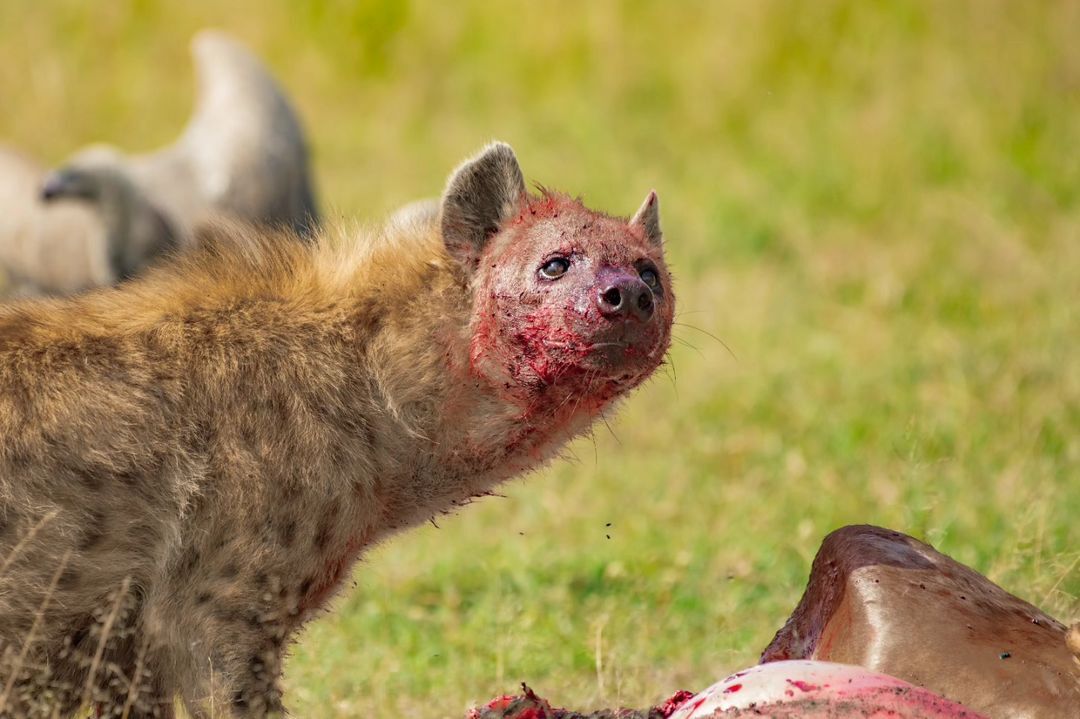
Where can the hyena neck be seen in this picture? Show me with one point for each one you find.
(507, 435)
(486, 435)
(458, 433)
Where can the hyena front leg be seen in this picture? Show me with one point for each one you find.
(239, 675)
(256, 691)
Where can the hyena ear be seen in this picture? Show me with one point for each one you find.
(482, 193)
(648, 219)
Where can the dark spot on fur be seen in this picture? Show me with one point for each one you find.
(325, 531)
(78, 637)
(230, 570)
(93, 480)
(93, 530)
(338, 457)
(288, 533)
(369, 434)
(18, 459)
(189, 561)
(250, 435)
(143, 534)
(231, 615)
(322, 537)
(239, 701)
(280, 408)
(203, 597)
(69, 579)
(306, 586)
(202, 434)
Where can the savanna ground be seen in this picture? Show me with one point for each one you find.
(875, 206)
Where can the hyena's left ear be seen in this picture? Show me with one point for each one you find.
(648, 219)
(482, 194)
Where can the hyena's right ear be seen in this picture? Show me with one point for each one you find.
(482, 193)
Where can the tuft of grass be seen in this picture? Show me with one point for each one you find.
(875, 206)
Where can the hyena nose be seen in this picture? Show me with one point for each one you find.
(626, 297)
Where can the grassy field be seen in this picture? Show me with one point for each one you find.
(875, 206)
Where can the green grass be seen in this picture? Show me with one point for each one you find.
(876, 206)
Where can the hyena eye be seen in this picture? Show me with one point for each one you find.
(555, 268)
(649, 277)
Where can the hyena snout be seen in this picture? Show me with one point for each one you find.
(622, 296)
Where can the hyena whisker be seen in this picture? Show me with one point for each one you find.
(688, 345)
(581, 396)
(669, 372)
(669, 361)
(708, 334)
(604, 419)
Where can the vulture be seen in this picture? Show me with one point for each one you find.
(104, 214)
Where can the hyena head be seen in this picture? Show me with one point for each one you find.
(570, 306)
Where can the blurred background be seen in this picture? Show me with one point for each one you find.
(873, 214)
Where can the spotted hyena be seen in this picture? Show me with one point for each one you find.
(192, 462)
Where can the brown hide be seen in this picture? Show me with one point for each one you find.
(885, 601)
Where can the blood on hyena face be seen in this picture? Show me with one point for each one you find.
(566, 300)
